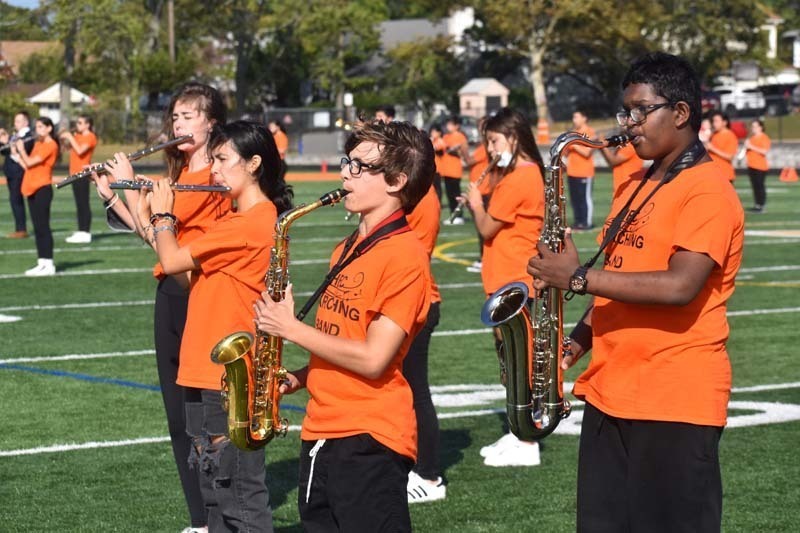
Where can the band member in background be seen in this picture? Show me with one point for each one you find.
(623, 162)
(580, 174)
(37, 188)
(456, 151)
(479, 161)
(425, 483)
(385, 113)
(195, 108)
(757, 147)
(227, 265)
(439, 147)
(281, 141)
(14, 170)
(510, 227)
(359, 434)
(657, 317)
(723, 145)
(81, 144)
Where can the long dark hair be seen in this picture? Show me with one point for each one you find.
(209, 102)
(512, 123)
(249, 139)
(47, 122)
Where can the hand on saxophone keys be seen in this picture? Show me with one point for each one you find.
(550, 269)
(276, 318)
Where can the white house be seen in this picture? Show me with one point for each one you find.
(49, 101)
(482, 96)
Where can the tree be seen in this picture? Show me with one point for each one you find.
(20, 24)
(336, 36)
(423, 72)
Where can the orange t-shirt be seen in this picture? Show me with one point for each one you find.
(40, 175)
(451, 164)
(234, 257)
(669, 362)
(282, 142)
(726, 141)
(77, 162)
(438, 146)
(579, 166)
(517, 200)
(424, 220)
(631, 164)
(755, 160)
(391, 279)
(197, 212)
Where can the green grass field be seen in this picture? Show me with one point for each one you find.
(84, 446)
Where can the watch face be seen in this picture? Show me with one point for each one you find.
(577, 284)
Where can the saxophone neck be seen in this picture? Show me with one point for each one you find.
(565, 140)
(287, 218)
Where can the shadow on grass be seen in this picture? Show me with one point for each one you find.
(71, 265)
(282, 479)
(453, 442)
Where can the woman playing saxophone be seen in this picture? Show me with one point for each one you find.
(227, 266)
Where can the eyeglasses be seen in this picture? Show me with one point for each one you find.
(356, 166)
(639, 114)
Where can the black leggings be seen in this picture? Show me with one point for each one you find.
(39, 204)
(452, 187)
(415, 370)
(80, 190)
(169, 319)
(757, 179)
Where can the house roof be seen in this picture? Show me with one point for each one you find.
(485, 86)
(394, 32)
(52, 95)
(16, 52)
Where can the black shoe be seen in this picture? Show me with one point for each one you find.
(756, 209)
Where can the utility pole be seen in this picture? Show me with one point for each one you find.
(171, 29)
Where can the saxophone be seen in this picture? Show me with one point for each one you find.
(253, 369)
(533, 343)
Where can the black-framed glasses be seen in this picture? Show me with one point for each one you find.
(356, 166)
(639, 113)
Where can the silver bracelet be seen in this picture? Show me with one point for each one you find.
(165, 227)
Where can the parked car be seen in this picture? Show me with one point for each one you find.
(736, 101)
(778, 98)
(709, 101)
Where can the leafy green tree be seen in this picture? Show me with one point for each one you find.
(337, 36)
(20, 24)
(42, 67)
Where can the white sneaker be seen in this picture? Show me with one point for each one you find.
(203, 529)
(458, 221)
(421, 490)
(520, 454)
(79, 237)
(476, 267)
(509, 439)
(45, 267)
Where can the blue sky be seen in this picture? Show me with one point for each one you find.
(23, 3)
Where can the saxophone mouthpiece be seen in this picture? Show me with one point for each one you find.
(618, 140)
(333, 197)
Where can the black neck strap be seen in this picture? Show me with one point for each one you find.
(687, 159)
(394, 224)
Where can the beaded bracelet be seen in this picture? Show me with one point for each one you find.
(155, 217)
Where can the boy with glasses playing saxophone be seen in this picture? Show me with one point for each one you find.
(359, 433)
(658, 383)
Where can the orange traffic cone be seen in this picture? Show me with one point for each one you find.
(788, 175)
(542, 132)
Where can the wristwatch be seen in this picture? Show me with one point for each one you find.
(578, 283)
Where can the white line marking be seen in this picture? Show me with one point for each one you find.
(75, 357)
(89, 305)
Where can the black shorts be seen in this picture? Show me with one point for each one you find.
(647, 477)
(357, 485)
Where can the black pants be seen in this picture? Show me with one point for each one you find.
(452, 187)
(170, 317)
(415, 370)
(233, 481)
(80, 190)
(39, 204)
(357, 485)
(15, 198)
(647, 477)
(580, 196)
(757, 179)
(437, 185)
